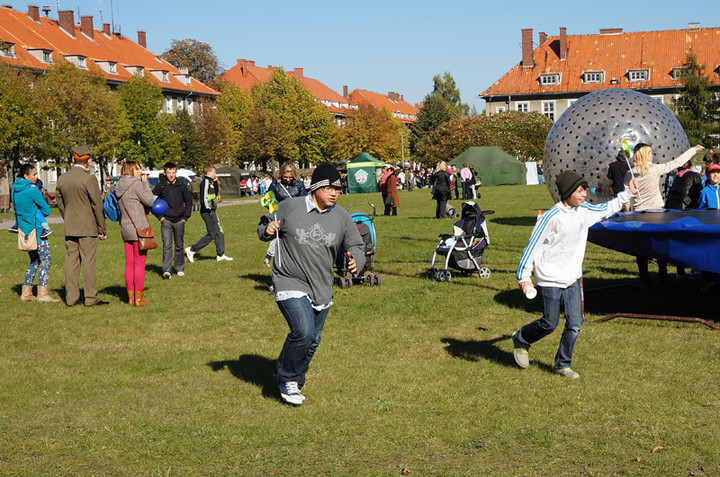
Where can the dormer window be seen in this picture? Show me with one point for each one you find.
(184, 79)
(135, 70)
(549, 78)
(108, 66)
(161, 75)
(41, 54)
(593, 77)
(678, 73)
(639, 75)
(77, 60)
(7, 50)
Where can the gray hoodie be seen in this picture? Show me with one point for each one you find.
(136, 196)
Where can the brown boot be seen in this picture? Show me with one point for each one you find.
(27, 294)
(139, 298)
(44, 297)
(131, 297)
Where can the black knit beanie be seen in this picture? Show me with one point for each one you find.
(567, 182)
(325, 175)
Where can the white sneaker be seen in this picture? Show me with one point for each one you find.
(290, 393)
(190, 255)
(167, 275)
(567, 372)
(180, 273)
(224, 258)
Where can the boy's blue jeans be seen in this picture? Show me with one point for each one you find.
(306, 325)
(552, 297)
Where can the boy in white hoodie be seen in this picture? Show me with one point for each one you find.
(555, 251)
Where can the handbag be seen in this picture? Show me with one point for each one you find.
(146, 235)
(389, 201)
(27, 242)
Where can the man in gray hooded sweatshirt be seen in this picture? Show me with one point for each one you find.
(311, 231)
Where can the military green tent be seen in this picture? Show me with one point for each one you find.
(493, 166)
(229, 179)
(361, 174)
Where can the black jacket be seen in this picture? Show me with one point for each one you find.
(684, 191)
(616, 173)
(178, 197)
(441, 185)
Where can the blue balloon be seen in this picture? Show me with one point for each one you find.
(160, 207)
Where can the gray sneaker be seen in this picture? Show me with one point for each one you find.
(290, 393)
(567, 372)
(520, 352)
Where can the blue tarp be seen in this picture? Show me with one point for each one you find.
(682, 237)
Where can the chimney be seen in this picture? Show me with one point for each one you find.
(299, 73)
(543, 37)
(527, 48)
(345, 91)
(393, 96)
(86, 26)
(34, 12)
(66, 18)
(142, 39)
(693, 26)
(106, 28)
(46, 10)
(563, 43)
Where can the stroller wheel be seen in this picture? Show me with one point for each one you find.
(369, 279)
(447, 276)
(439, 275)
(484, 273)
(348, 282)
(376, 280)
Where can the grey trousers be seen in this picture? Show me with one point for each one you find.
(173, 231)
(214, 232)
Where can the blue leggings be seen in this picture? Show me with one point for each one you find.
(39, 258)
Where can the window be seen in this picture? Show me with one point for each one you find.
(678, 73)
(548, 109)
(500, 109)
(523, 107)
(47, 56)
(169, 104)
(593, 77)
(77, 60)
(638, 75)
(112, 67)
(7, 49)
(550, 78)
(190, 106)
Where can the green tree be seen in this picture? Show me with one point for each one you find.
(237, 104)
(191, 142)
(78, 108)
(367, 129)
(198, 57)
(445, 86)
(696, 108)
(219, 138)
(150, 140)
(21, 119)
(286, 124)
(435, 110)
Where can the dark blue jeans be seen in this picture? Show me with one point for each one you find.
(214, 232)
(552, 298)
(306, 325)
(173, 231)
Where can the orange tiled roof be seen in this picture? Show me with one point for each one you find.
(401, 109)
(614, 54)
(246, 75)
(25, 33)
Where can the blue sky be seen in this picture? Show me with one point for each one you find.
(391, 45)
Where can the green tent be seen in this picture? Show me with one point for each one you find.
(361, 174)
(493, 166)
(229, 179)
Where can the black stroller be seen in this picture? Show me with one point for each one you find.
(366, 226)
(463, 249)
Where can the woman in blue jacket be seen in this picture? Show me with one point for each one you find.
(27, 201)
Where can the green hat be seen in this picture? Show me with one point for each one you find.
(81, 150)
(567, 182)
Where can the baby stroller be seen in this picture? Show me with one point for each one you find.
(366, 227)
(463, 249)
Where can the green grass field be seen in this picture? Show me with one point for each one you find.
(413, 376)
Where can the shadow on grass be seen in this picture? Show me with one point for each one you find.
(262, 281)
(473, 350)
(118, 291)
(152, 268)
(253, 369)
(514, 221)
